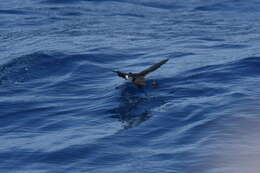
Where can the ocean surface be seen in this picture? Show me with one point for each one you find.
(63, 110)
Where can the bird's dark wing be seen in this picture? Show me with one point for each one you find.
(120, 74)
(153, 68)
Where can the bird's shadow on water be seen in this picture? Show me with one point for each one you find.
(135, 105)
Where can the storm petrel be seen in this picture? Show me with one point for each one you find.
(139, 78)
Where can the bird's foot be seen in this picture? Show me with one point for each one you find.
(154, 84)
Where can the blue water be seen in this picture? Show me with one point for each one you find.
(63, 110)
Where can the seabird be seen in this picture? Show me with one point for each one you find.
(139, 78)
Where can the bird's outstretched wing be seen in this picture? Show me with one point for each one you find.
(152, 68)
(119, 73)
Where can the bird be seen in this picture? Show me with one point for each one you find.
(139, 78)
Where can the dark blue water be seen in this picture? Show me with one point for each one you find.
(63, 110)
